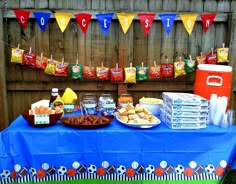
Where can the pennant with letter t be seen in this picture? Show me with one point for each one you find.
(104, 20)
(42, 19)
(83, 20)
(189, 21)
(168, 21)
(125, 20)
(146, 21)
(207, 20)
(63, 20)
(22, 17)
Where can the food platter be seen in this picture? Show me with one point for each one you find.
(140, 125)
(86, 121)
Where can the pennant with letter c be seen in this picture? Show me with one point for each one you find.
(63, 20)
(189, 21)
(146, 20)
(22, 17)
(83, 20)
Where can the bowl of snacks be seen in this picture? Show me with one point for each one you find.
(42, 116)
(151, 104)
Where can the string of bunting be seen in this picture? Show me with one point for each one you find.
(125, 20)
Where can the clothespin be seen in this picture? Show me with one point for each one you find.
(116, 66)
(212, 51)
(130, 65)
(77, 59)
(41, 55)
(30, 49)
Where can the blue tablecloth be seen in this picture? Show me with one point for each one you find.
(115, 152)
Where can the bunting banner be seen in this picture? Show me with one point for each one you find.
(167, 21)
(63, 20)
(83, 20)
(42, 19)
(22, 17)
(189, 21)
(104, 20)
(125, 20)
(146, 20)
(207, 20)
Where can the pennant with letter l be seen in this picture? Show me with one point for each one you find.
(42, 19)
(146, 20)
(168, 21)
(83, 20)
(207, 20)
(104, 20)
(125, 20)
(22, 17)
(189, 21)
(63, 20)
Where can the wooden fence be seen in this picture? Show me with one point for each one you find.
(20, 86)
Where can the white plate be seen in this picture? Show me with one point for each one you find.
(140, 125)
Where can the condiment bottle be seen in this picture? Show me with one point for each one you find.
(54, 94)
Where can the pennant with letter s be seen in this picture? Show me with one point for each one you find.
(22, 17)
(63, 20)
(42, 19)
(189, 21)
(168, 21)
(146, 20)
(83, 20)
(125, 20)
(104, 20)
(207, 20)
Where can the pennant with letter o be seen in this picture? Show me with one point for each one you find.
(207, 20)
(42, 19)
(104, 20)
(83, 20)
(63, 20)
(168, 21)
(125, 20)
(189, 21)
(22, 17)
(146, 20)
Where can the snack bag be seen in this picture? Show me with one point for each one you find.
(89, 72)
(117, 75)
(141, 73)
(130, 75)
(41, 62)
(16, 55)
(155, 71)
(50, 67)
(201, 59)
(76, 71)
(61, 69)
(102, 73)
(222, 54)
(211, 57)
(29, 59)
(190, 64)
(167, 70)
(179, 68)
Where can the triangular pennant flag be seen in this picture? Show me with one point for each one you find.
(207, 20)
(63, 20)
(104, 20)
(146, 20)
(22, 17)
(42, 19)
(83, 20)
(168, 21)
(125, 20)
(189, 21)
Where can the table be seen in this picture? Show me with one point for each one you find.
(114, 154)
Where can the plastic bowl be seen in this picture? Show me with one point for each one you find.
(53, 118)
(151, 104)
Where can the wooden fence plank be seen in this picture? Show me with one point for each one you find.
(3, 92)
(169, 5)
(42, 4)
(155, 5)
(13, 4)
(182, 5)
(196, 6)
(27, 4)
